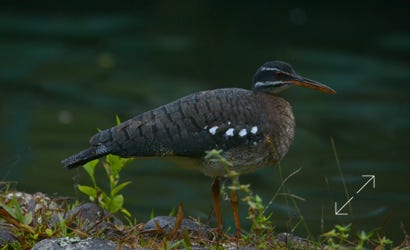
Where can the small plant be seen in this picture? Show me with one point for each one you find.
(16, 212)
(30, 223)
(338, 238)
(112, 201)
(363, 238)
(384, 242)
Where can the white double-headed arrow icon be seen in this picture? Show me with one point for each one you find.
(371, 178)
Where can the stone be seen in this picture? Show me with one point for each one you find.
(92, 212)
(294, 241)
(88, 216)
(76, 243)
(6, 236)
(167, 224)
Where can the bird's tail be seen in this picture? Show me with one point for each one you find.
(83, 157)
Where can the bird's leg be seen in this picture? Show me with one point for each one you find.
(235, 210)
(217, 208)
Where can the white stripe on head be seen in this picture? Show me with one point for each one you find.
(271, 83)
(269, 69)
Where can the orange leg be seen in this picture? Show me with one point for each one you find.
(217, 208)
(235, 210)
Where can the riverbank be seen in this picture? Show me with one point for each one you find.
(38, 221)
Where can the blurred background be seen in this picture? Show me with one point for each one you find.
(68, 67)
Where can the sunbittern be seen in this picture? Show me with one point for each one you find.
(253, 128)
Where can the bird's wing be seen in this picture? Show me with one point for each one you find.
(186, 127)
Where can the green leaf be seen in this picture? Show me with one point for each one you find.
(330, 234)
(187, 240)
(114, 167)
(63, 226)
(49, 232)
(116, 163)
(126, 212)
(34, 236)
(117, 119)
(104, 201)
(89, 167)
(172, 213)
(28, 218)
(385, 241)
(116, 203)
(90, 191)
(343, 229)
(17, 210)
(119, 187)
(9, 209)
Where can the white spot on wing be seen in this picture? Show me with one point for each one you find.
(229, 123)
(206, 126)
(243, 132)
(229, 132)
(213, 130)
(254, 130)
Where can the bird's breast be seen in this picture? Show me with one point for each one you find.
(261, 139)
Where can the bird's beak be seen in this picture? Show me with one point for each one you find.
(307, 83)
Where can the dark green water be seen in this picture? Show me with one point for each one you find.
(67, 69)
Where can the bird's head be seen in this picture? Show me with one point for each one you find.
(276, 76)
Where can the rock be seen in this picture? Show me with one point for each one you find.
(167, 224)
(76, 244)
(6, 236)
(90, 216)
(92, 213)
(294, 241)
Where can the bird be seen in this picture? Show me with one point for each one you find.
(253, 128)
